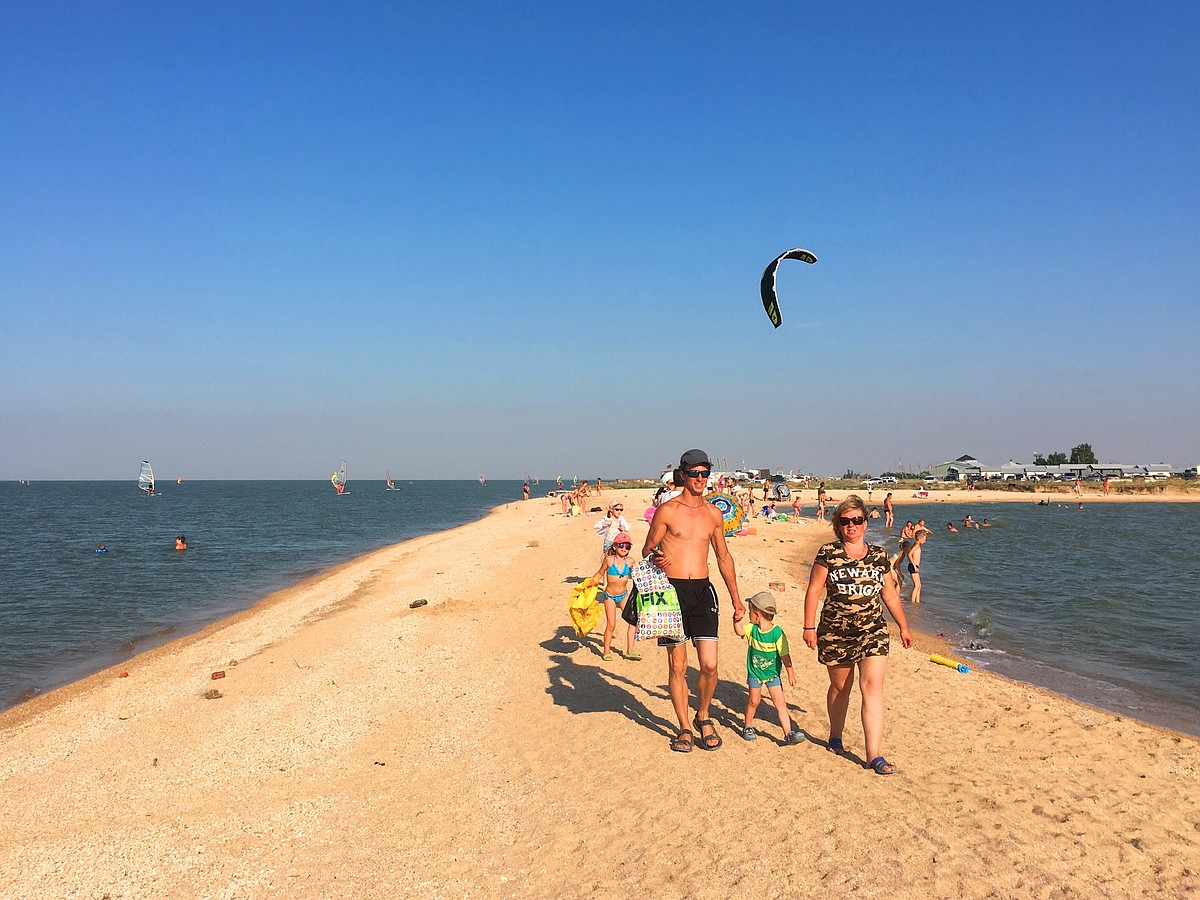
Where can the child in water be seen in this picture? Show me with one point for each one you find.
(766, 656)
(616, 574)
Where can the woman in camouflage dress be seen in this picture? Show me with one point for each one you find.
(855, 576)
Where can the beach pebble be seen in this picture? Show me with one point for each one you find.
(418, 603)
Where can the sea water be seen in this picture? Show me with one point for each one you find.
(67, 611)
(1098, 604)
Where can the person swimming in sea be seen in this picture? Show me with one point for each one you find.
(181, 542)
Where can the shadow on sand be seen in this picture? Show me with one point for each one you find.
(587, 689)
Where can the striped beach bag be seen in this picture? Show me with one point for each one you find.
(657, 603)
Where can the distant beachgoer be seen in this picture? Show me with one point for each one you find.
(1107, 485)
(181, 542)
(950, 526)
(525, 491)
(914, 565)
(796, 506)
(599, 485)
(682, 534)
(985, 524)
(968, 522)
(101, 549)
(889, 515)
(615, 574)
(822, 499)
(767, 655)
(855, 576)
(612, 524)
(1078, 488)
(874, 513)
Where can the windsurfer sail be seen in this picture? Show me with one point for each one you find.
(391, 485)
(146, 479)
(482, 479)
(340, 477)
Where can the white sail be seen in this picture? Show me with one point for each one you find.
(391, 485)
(340, 477)
(146, 478)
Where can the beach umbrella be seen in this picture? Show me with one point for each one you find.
(731, 511)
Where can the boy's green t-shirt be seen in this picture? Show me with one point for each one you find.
(765, 651)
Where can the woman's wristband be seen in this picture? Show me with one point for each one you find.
(810, 628)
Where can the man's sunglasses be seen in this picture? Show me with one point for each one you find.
(851, 520)
(697, 473)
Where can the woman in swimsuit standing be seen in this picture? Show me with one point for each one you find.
(616, 575)
(854, 576)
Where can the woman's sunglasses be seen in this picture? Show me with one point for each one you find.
(851, 520)
(697, 473)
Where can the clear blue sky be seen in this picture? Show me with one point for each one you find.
(249, 240)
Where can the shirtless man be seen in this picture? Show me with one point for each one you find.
(888, 515)
(681, 533)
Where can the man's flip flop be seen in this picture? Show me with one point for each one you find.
(682, 742)
(707, 741)
(835, 746)
(881, 766)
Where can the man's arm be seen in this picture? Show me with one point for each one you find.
(726, 567)
(658, 530)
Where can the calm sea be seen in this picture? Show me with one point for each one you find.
(1099, 604)
(67, 611)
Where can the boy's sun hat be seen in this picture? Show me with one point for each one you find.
(763, 602)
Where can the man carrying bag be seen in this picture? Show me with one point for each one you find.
(682, 532)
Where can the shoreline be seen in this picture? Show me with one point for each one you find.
(928, 641)
(363, 748)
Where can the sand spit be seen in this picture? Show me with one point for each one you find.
(473, 747)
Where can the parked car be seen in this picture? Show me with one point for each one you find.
(888, 479)
(871, 482)
(931, 479)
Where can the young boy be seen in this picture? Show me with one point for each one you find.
(767, 655)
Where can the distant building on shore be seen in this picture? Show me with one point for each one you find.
(968, 468)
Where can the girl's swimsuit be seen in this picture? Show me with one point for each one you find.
(623, 572)
(616, 598)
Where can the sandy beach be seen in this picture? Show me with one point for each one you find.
(473, 747)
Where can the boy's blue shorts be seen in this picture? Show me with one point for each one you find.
(752, 682)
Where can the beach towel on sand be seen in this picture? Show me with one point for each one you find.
(585, 612)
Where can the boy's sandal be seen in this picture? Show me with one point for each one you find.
(749, 734)
(633, 657)
(795, 736)
(707, 741)
(606, 657)
(835, 746)
(881, 766)
(682, 743)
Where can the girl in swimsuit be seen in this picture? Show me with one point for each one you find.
(616, 574)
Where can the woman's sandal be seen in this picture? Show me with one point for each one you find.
(749, 734)
(707, 741)
(682, 743)
(881, 766)
(835, 746)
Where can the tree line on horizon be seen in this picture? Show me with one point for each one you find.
(1081, 455)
